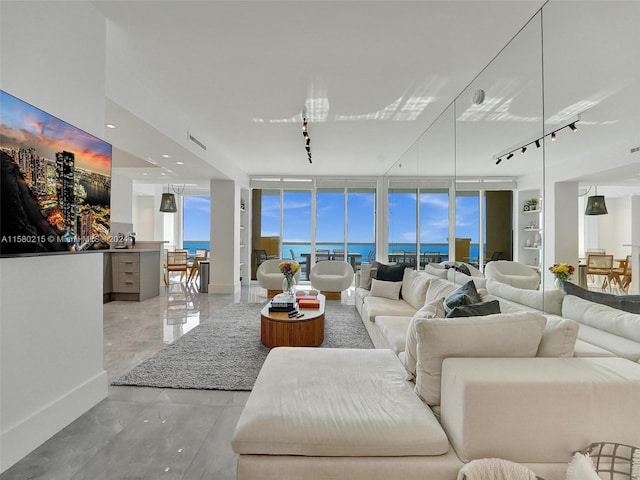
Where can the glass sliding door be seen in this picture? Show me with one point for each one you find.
(467, 227)
(402, 225)
(296, 225)
(361, 224)
(434, 225)
(196, 220)
(330, 226)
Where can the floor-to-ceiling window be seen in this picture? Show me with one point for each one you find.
(361, 223)
(330, 226)
(402, 224)
(296, 223)
(467, 226)
(196, 222)
(434, 225)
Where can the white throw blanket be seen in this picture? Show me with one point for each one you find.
(495, 469)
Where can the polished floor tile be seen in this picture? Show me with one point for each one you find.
(149, 433)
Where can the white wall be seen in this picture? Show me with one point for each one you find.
(52, 55)
(121, 199)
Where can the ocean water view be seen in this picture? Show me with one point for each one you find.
(362, 248)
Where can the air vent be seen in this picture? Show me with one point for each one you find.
(634, 150)
(196, 141)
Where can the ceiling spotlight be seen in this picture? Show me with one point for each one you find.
(553, 137)
(166, 156)
(498, 161)
(524, 149)
(510, 156)
(573, 127)
(110, 125)
(537, 143)
(179, 163)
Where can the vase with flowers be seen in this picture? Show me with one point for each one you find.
(288, 270)
(562, 272)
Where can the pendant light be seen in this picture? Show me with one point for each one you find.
(596, 205)
(168, 202)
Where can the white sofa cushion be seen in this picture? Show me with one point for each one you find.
(620, 346)
(461, 278)
(414, 287)
(492, 408)
(584, 349)
(439, 289)
(384, 289)
(512, 273)
(436, 270)
(602, 317)
(394, 331)
(336, 402)
(434, 309)
(376, 306)
(549, 301)
(500, 335)
(558, 337)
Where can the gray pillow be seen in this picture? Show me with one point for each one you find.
(465, 295)
(475, 309)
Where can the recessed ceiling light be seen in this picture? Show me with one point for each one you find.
(162, 173)
(179, 163)
(145, 173)
(111, 125)
(166, 156)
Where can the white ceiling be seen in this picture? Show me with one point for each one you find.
(372, 76)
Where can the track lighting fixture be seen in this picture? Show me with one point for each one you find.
(305, 134)
(536, 142)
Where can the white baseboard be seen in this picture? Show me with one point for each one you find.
(29, 434)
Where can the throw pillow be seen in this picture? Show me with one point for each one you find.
(439, 272)
(501, 335)
(414, 287)
(558, 338)
(434, 309)
(382, 288)
(465, 295)
(462, 268)
(390, 273)
(581, 468)
(475, 309)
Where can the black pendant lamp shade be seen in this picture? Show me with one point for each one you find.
(596, 205)
(168, 203)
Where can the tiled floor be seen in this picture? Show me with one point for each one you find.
(147, 433)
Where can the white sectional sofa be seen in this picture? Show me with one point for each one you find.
(372, 414)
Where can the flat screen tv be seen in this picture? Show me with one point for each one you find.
(55, 183)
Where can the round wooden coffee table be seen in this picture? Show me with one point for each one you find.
(278, 330)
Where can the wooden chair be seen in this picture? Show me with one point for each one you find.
(194, 267)
(600, 265)
(621, 275)
(177, 261)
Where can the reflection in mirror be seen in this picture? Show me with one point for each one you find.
(499, 162)
(592, 71)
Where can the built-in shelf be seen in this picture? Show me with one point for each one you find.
(532, 248)
(532, 229)
(532, 211)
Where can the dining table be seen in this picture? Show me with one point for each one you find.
(352, 258)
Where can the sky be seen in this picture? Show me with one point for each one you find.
(25, 126)
(434, 217)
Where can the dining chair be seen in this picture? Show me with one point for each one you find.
(600, 265)
(194, 267)
(302, 263)
(338, 254)
(322, 254)
(621, 275)
(177, 261)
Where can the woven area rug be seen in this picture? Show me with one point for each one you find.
(225, 353)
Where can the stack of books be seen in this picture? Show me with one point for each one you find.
(308, 302)
(280, 303)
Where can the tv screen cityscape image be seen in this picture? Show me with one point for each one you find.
(55, 188)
